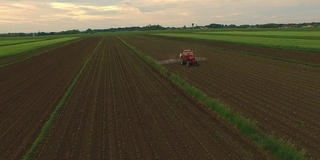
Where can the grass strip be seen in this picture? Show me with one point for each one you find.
(276, 146)
(11, 50)
(7, 42)
(54, 115)
(29, 54)
(308, 45)
(48, 124)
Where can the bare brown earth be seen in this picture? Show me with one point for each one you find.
(286, 55)
(123, 109)
(31, 89)
(282, 97)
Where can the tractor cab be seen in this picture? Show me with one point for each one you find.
(187, 58)
(187, 52)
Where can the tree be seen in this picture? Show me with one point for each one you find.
(213, 25)
(89, 30)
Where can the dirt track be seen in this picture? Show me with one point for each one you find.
(29, 91)
(123, 109)
(282, 97)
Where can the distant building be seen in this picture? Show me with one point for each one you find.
(310, 26)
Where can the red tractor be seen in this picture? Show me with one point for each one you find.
(187, 58)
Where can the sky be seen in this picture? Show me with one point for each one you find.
(60, 15)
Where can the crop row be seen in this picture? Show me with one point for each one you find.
(123, 108)
(272, 93)
(291, 56)
(30, 90)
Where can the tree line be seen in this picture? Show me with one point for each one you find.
(268, 25)
(159, 27)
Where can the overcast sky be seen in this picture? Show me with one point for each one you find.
(59, 15)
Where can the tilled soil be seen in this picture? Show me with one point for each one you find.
(283, 97)
(31, 89)
(124, 109)
(291, 55)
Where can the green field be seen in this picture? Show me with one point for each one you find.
(270, 34)
(301, 40)
(14, 46)
(6, 42)
(293, 39)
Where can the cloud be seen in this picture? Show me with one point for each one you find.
(153, 5)
(72, 6)
(17, 13)
(155, 8)
(57, 15)
(87, 12)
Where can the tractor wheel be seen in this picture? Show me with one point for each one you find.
(181, 61)
(188, 63)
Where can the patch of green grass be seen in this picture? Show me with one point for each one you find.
(268, 34)
(276, 146)
(281, 148)
(6, 42)
(11, 50)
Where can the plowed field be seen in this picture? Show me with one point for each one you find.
(123, 109)
(283, 97)
(31, 89)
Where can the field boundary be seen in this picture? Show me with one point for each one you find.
(48, 124)
(275, 58)
(12, 50)
(275, 145)
(287, 60)
(291, 44)
(31, 41)
(32, 53)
